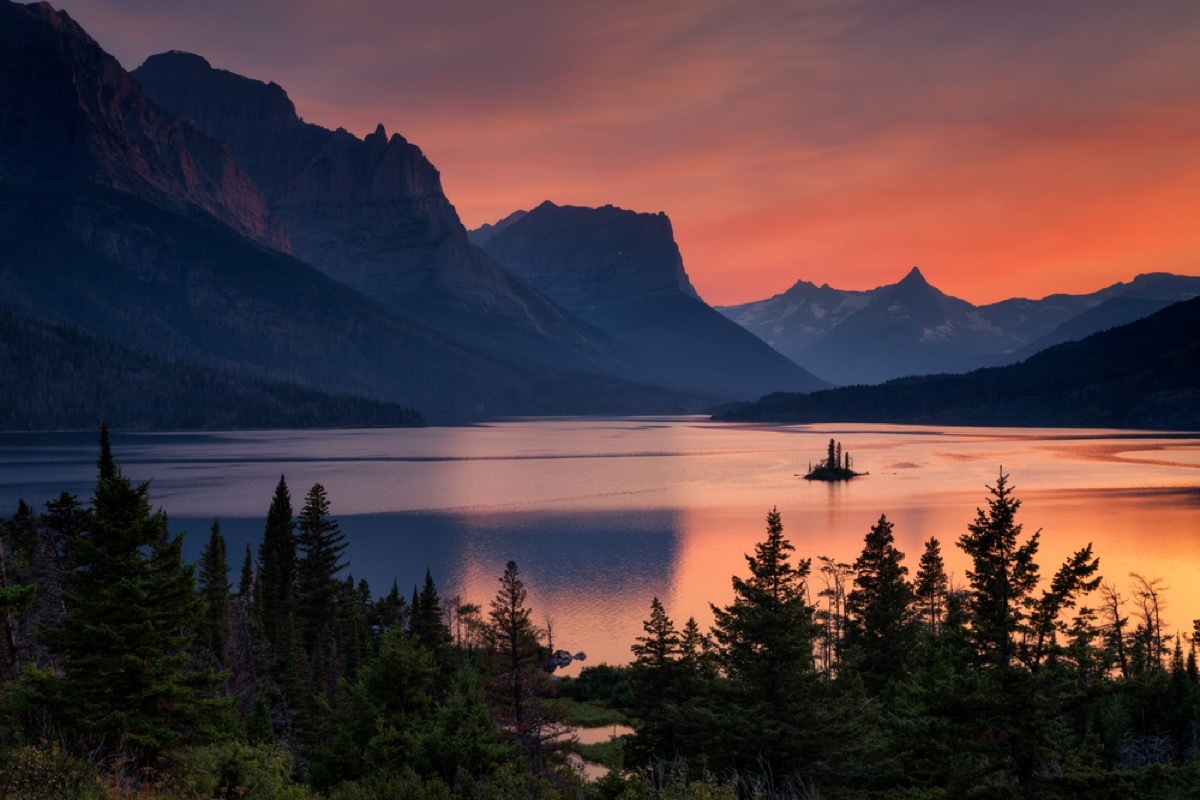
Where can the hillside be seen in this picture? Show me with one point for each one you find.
(1140, 375)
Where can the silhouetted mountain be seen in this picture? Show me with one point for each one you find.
(1114, 305)
(911, 328)
(486, 231)
(97, 231)
(621, 271)
(68, 113)
(1140, 375)
(372, 214)
(57, 377)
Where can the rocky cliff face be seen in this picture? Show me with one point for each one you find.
(371, 213)
(622, 272)
(69, 112)
(120, 219)
(586, 258)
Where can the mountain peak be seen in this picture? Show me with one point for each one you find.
(914, 278)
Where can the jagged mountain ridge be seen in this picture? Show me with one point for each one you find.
(371, 213)
(95, 243)
(622, 272)
(1139, 375)
(911, 328)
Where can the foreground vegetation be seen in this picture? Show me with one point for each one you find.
(128, 673)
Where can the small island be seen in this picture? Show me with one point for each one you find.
(835, 467)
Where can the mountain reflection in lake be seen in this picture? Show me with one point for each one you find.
(601, 515)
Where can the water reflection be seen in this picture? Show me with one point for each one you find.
(603, 515)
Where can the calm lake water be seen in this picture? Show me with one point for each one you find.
(602, 515)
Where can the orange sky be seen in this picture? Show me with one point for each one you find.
(1017, 148)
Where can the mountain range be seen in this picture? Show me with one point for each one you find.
(912, 328)
(621, 271)
(187, 220)
(1139, 375)
(239, 239)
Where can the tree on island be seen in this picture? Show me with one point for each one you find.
(835, 467)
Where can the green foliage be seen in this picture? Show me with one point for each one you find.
(214, 589)
(879, 630)
(30, 773)
(235, 769)
(126, 683)
(1003, 574)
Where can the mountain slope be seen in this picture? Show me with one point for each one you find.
(68, 112)
(96, 232)
(621, 271)
(1140, 375)
(911, 328)
(57, 377)
(372, 214)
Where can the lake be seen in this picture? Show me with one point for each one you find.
(601, 515)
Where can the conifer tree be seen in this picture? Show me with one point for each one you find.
(879, 625)
(428, 622)
(275, 590)
(246, 580)
(765, 641)
(214, 589)
(519, 683)
(126, 684)
(1003, 574)
(322, 546)
(932, 586)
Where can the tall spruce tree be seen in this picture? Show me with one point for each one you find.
(879, 630)
(931, 587)
(275, 591)
(126, 684)
(322, 546)
(1002, 576)
(214, 589)
(428, 621)
(519, 684)
(765, 642)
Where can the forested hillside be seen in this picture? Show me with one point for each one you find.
(1140, 375)
(129, 673)
(58, 377)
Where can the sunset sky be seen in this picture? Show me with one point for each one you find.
(1006, 148)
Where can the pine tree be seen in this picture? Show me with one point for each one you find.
(1003, 575)
(879, 630)
(765, 642)
(246, 580)
(428, 622)
(105, 465)
(519, 683)
(932, 586)
(214, 589)
(275, 591)
(322, 546)
(126, 683)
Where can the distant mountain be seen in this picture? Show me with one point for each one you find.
(1114, 305)
(911, 328)
(120, 219)
(371, 213)
(57, 378)
(486, 231)
(621, 271)
(1139, 375)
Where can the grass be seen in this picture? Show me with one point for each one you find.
(588, 714)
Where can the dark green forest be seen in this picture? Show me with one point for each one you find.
(58, 377)
(129, 673)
